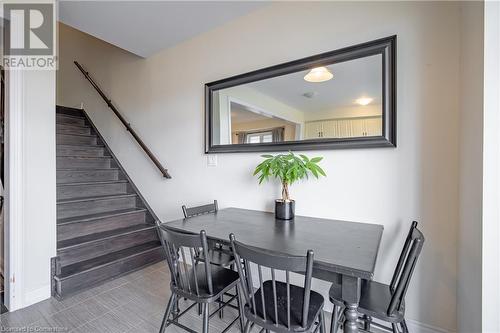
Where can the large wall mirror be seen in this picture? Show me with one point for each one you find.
(340, 99)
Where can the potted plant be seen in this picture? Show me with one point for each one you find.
(288, 169)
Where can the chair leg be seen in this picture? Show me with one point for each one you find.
(335, 320)
(221, 310)
(322, 327)
(403, 325)
(200, 309)
(367, 323)
(240, 308)
(394, 328)
(205, 317)
(176, 309)
(170, 305)
(247, 327)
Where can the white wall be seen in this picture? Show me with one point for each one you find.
(162, 97)
(471, 152)
(491, 167)
(30, 185)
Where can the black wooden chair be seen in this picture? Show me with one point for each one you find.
(380, 301)
(221, 254)
(278, 306)
(194, 280)
(200, 210)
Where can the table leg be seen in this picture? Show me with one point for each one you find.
(351, 289)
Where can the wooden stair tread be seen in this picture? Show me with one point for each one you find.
(97, 216)
(70, 145)
(85, 157)
(62, 107)
(99, 182)
(74, 125)
(83, 169)
(94, 263)
(82, 135)
(61, 114)
(85, 240)
(97, 197)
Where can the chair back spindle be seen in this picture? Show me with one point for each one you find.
(275, 262)
(405, 267)
(184, 274)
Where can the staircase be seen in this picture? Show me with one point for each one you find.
(104, 227)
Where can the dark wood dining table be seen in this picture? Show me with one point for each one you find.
(341, 249)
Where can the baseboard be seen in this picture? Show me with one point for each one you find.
(37, 295)
(418, 327)
(413, 326)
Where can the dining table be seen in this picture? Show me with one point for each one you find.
(342, 249)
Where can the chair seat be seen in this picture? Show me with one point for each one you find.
(296, 304)
(374, 301)
(222, 280)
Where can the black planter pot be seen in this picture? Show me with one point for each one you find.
(284, 210)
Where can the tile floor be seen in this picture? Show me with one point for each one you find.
(132, 303)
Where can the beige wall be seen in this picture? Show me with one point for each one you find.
(162, 96)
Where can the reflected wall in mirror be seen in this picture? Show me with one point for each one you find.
(340, 99)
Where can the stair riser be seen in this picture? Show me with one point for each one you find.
(79, 191)
(69, 111)
(64, 139)
(103, 247)
(68, 129)
(83, 163)
(94, 206)
(101, 274)
(73, 230)
(80, 151)
(62, 119)
(73, 176)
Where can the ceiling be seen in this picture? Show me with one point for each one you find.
(146, 27)
(242, 114)
(351, 80)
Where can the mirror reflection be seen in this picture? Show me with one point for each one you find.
(341, 100)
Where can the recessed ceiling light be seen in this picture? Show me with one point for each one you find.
(364, 101)
(318, 74)
(310, 94)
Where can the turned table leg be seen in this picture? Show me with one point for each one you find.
(351, 288)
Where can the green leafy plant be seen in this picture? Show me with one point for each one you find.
(288, 169)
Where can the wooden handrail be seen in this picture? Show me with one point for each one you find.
(124, 122)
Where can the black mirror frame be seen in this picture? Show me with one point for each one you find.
(384, 46)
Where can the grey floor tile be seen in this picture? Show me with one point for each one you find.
(155, 285)
(48, 325)
(134, 303)
(108, 323)
(136, 275)
(78, 315)
(117, 297)
(115, 283)
(21, 318)
(52, 306)
(142, 309)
